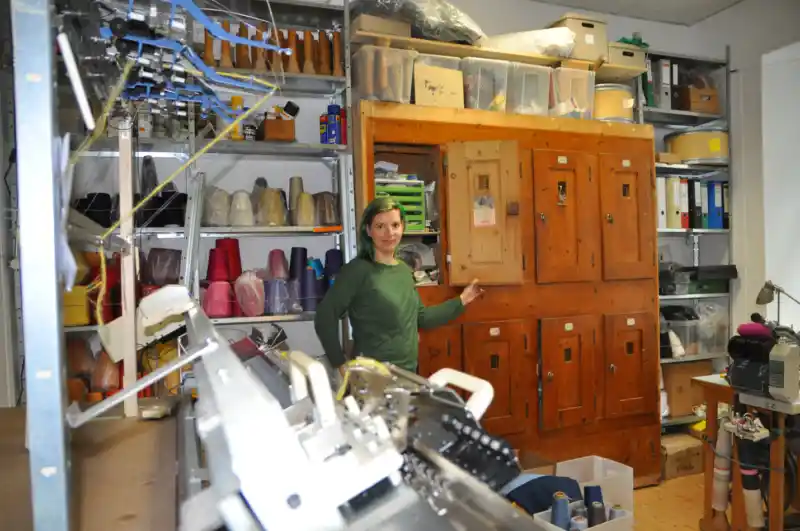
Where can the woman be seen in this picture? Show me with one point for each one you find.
(378, 293)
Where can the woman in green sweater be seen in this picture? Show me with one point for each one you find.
(378, 293)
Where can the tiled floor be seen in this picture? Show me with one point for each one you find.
(675, 505)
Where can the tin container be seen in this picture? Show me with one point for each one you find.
(613, 103)
(706, 146)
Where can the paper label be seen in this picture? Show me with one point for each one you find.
(630, 321)
(562, 160)
(494, 332)
(483, 212)
(626, 163)
(568, 327)
(589, 38)
(715, 145)
(627, 103)
(717, 195)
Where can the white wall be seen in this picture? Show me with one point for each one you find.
(781, 137)
(751, 28)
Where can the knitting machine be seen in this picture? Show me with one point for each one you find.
(765, 367)
(96, 39)
(398, 452)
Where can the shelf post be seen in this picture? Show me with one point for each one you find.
(39, 200)
(128, 270)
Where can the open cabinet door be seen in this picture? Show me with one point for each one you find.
(483, 213)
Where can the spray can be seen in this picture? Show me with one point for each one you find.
(334, 124)
(323, 129)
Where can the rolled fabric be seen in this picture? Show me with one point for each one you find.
(218, 270)
(295, 189)
(233, 257)
(303, 214)
(298, 262)
(241, 214)
(271, 211)
(217, 208)
(218, 301)
(326, 209)
(249, 290)
(278, 266)
(278, 297)
(309, 290)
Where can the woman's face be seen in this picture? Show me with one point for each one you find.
(386, 230)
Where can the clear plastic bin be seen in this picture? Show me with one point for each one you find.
(713, 336)
(614, 478)
(623, 522)
(440, 61)
(384, 74)
(528, 89)
(485, 83)
(573, 93)
(689, 334)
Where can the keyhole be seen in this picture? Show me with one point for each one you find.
(562, 192)
(567, 355)
(626, 190)
(629, 348)
(483, 182)
(494, 359)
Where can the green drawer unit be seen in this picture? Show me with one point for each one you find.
(410, 194)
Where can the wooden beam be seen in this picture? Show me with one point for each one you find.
(372, 111)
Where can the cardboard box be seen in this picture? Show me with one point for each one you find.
(622, 54)
(373, 24)
(681, 455)
(705, 100)
(438, 87)
(682, 396)
(591, 39)
(668, 158)
(279, 130)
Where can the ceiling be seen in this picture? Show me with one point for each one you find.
(684, 12)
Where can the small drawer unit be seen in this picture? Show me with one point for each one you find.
(485, 83)
(409, 193)
(384, 74)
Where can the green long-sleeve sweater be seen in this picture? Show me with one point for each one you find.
(385, 312)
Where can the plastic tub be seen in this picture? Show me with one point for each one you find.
(485, 83)
(384, 74)
(623, 522)
(439, 61)
(614, 478)
(528, 89)
(573, 93)
(689, 334)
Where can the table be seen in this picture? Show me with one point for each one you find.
(715, 391)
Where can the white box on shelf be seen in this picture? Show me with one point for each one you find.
(623, 522)
(614, 478)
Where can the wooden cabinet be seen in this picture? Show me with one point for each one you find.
(631, 364)
(567, 351)
(497, 352)
(440, 348)
(627, 192)
(483, 213)
(566, 211)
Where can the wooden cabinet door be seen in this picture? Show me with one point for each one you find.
(440, 348)
(496, 352)
(566, 209)
(483, 213)
(567, 371)
(631, 364)
(627, 202)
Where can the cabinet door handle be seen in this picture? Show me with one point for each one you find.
(609, 218)
(542, 217)
(550, 376)
(612, 368)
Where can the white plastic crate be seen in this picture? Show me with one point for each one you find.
(614, 478)
(621, 523)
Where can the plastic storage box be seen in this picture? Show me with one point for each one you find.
(528, 89)
(689, 334)
(439, 61)
(623, 522)
(485, 83)
(384, 74)
(573, 93)
(410, 194)
(614, 478)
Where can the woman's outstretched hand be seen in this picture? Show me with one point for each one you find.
(471, 292)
